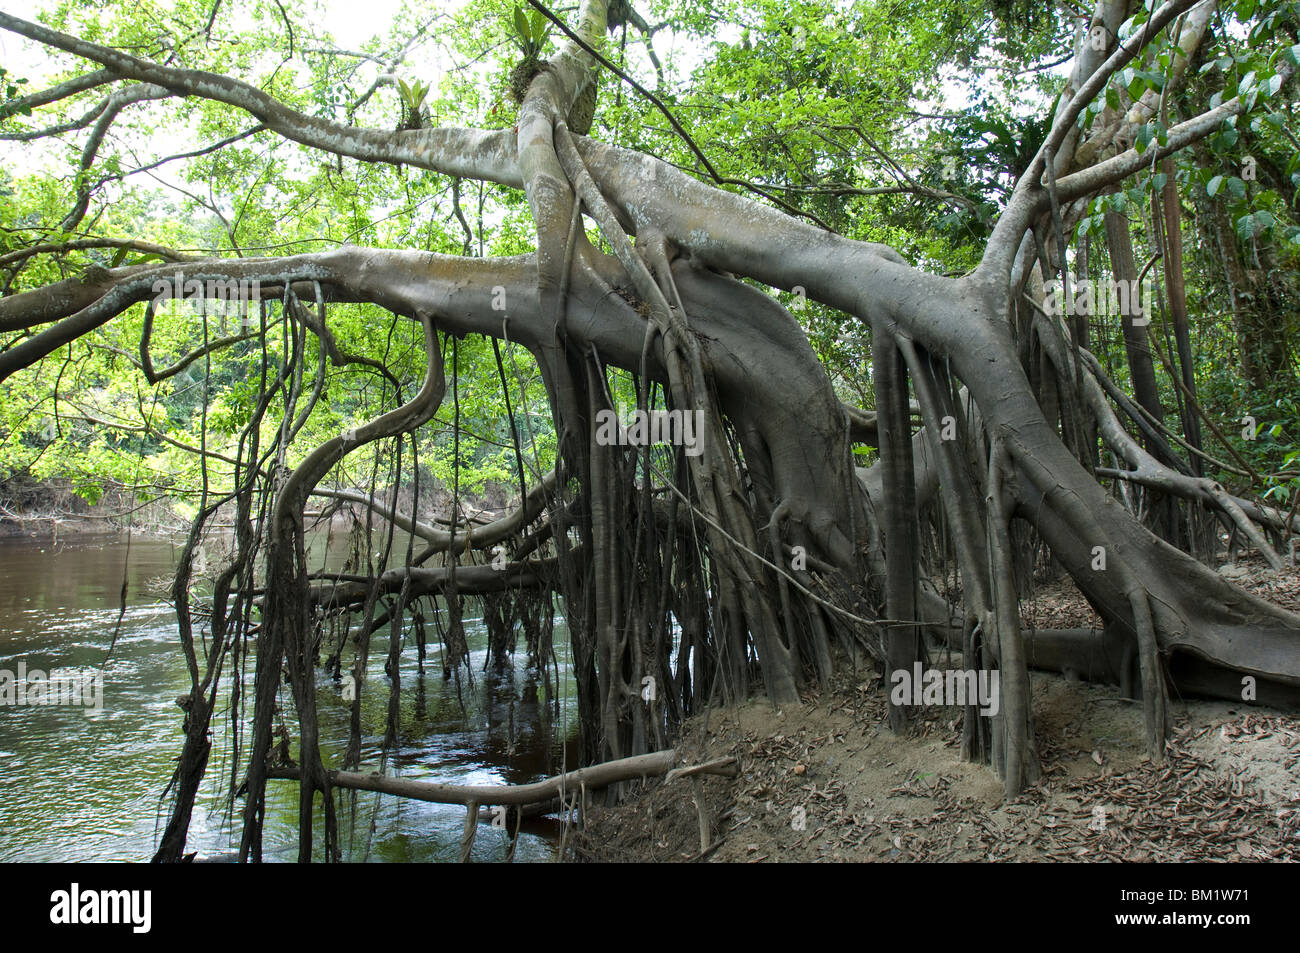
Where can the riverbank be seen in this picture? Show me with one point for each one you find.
(49, 509)
(827, 781)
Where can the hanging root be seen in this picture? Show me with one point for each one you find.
(1019, 754)
(288, 630)
(1154, 694)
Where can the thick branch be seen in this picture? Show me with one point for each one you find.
(471, 538)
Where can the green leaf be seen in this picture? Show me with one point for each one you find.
(1253, 226)
(521, 25)
(541, 26)
(1112, 98)
(1216, 183)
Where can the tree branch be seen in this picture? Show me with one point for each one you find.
(472, 153)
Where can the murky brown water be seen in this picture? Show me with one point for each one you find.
(79, 784)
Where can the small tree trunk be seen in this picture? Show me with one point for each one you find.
(1176, 291)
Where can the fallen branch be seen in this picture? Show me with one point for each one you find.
(596, 776)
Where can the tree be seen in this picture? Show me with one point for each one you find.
(753, 534)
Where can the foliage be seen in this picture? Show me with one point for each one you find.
(836, 110)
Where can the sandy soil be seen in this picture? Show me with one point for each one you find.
(827, 780)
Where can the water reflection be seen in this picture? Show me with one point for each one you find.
(85, 785)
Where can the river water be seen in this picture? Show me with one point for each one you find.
(86, 785)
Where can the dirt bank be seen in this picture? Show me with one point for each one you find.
(826, 780)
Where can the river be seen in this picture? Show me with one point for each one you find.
(78, 784)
